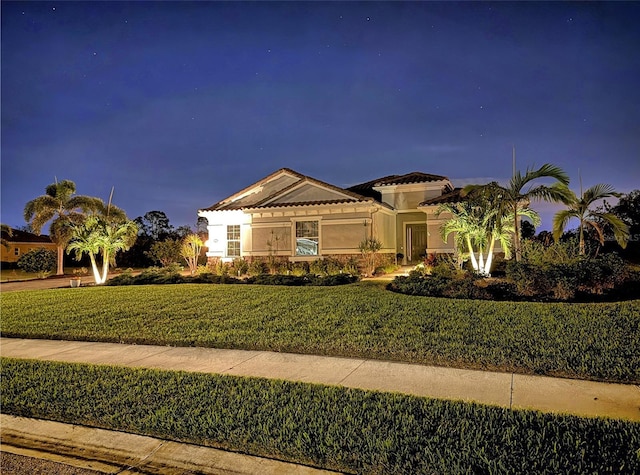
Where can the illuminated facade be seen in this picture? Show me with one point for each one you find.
(291, 215)
(21, 242)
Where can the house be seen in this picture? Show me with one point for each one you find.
(292, 215)
(21, 242)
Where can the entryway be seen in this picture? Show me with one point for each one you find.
(416, 242)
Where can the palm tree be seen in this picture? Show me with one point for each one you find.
(117, 236)
(479, 224)
(86, 239)
(5, 229)
(580, 208)
(63, 209)
(103, 234)
(514, 198)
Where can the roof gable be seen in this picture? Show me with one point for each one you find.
(286, 187)
(310, 191)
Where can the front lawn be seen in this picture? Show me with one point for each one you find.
(599, 341)
(331, 427)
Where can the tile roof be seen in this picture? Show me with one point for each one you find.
(452, 196)
(367, 188)
(268, 199)
(23, 236)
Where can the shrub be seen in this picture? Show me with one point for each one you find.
(325, 266)
(239, 266)
(369, 249)
(39, 261)
(166, 252)
(418, 284)
(208, 278)
(257, 267)
(568, 279)
(300, 268)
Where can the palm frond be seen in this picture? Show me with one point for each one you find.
(598, 192)
(560, 221)
(618, 226)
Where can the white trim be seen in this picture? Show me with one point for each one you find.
(334, 222)
(278, 224)
(294, 238)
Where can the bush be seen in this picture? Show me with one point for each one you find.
(39, 261)
(418, 284)
(463, 286)
(569, 279)
(258, 267)
(309, 279)
(208, 278)
(325, 266)
(239, 266)
(583, 279)
(165, 276)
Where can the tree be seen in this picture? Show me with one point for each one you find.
(190, 250)
(527, 229)
(369, 249)
(166, 252)
(479, 222)
(202, 226)
(628, 209)
(580, 208)
(63, 209)
(514, 197)
(40, 261)
(103, 234)
(154, 224)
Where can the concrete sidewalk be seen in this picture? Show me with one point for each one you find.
(514, 391)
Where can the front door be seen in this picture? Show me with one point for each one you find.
(416, 243)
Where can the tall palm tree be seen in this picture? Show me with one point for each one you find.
(580, 208)
(63, 208)
(514, 197)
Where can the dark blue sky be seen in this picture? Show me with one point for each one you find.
(179, 105)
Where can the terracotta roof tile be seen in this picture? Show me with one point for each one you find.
(450, 197)
(23, 236)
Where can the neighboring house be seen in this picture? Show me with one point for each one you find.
(295, 216)
(21, 242)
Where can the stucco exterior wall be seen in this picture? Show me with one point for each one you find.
(10, 254)
(278, 234)
(338, 238)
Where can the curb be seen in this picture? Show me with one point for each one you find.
(115, 452)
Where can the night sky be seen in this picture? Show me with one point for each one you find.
(178, 105)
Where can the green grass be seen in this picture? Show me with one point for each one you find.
(589, 341)
(336, 428)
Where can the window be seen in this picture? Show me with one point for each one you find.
(307, 238)
(16, 251)
(233, 240)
